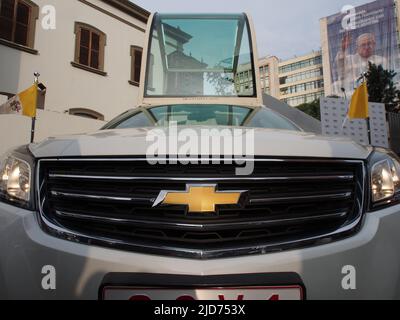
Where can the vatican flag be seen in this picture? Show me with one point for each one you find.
(24, 103)
(359, 103)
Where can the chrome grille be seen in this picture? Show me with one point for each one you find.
(290, 203)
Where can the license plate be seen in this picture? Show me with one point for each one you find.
(221, 294)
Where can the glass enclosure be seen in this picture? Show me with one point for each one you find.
(210, 115)
(200, 55)
(202, 115)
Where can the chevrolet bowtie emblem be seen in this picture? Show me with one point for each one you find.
(199, 198)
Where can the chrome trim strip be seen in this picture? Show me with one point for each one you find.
(201, 227)
(333, 196)
(95, 197)
(179, 252)
(126, 178)
(208, 159)
(200, 159)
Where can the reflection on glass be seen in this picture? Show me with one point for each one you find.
(202, 115)
(199, 55)
(215, 115)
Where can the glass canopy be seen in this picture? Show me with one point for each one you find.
(200, 55)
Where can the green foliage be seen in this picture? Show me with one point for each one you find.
(381, 87)
(311, 108)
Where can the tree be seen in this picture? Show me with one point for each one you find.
(381, 87)
(311, 108)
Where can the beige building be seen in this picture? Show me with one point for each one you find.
(301, 79)
(269, 75)
(325, 55)
(295, 81)
(88, 53)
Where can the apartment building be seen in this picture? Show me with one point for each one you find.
(269, 74)
(294, 81)
(301, 79)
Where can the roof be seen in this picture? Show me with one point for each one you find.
(130, 8)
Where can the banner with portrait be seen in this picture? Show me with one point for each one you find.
(360, 35)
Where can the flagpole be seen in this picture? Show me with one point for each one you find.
(36, 81)
(345, 99)
(364, 78)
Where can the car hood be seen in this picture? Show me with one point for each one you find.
(132, 142)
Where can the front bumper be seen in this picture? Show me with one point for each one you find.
(80, 269)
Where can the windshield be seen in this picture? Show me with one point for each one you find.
(207, 115)
(200, 55)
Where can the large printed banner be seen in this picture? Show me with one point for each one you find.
(360, 35)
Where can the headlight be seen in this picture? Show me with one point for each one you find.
(385, 178)
(16, 177)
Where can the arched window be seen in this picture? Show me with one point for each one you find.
(18, 20)
(89, 47)
(86, 113)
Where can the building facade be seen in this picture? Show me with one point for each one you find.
(88, 53)
(294, 81)
(301, 79)
(269, 74)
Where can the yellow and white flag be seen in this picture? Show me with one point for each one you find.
(24, 103)
(359, 103)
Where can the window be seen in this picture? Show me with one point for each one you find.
(295, 101)
(86, 113)
(301, 64)
(136, 56)
(301, 76)
(17, 21)
(90, 47)
(303, 87)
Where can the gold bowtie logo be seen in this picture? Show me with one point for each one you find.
(199, 198)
